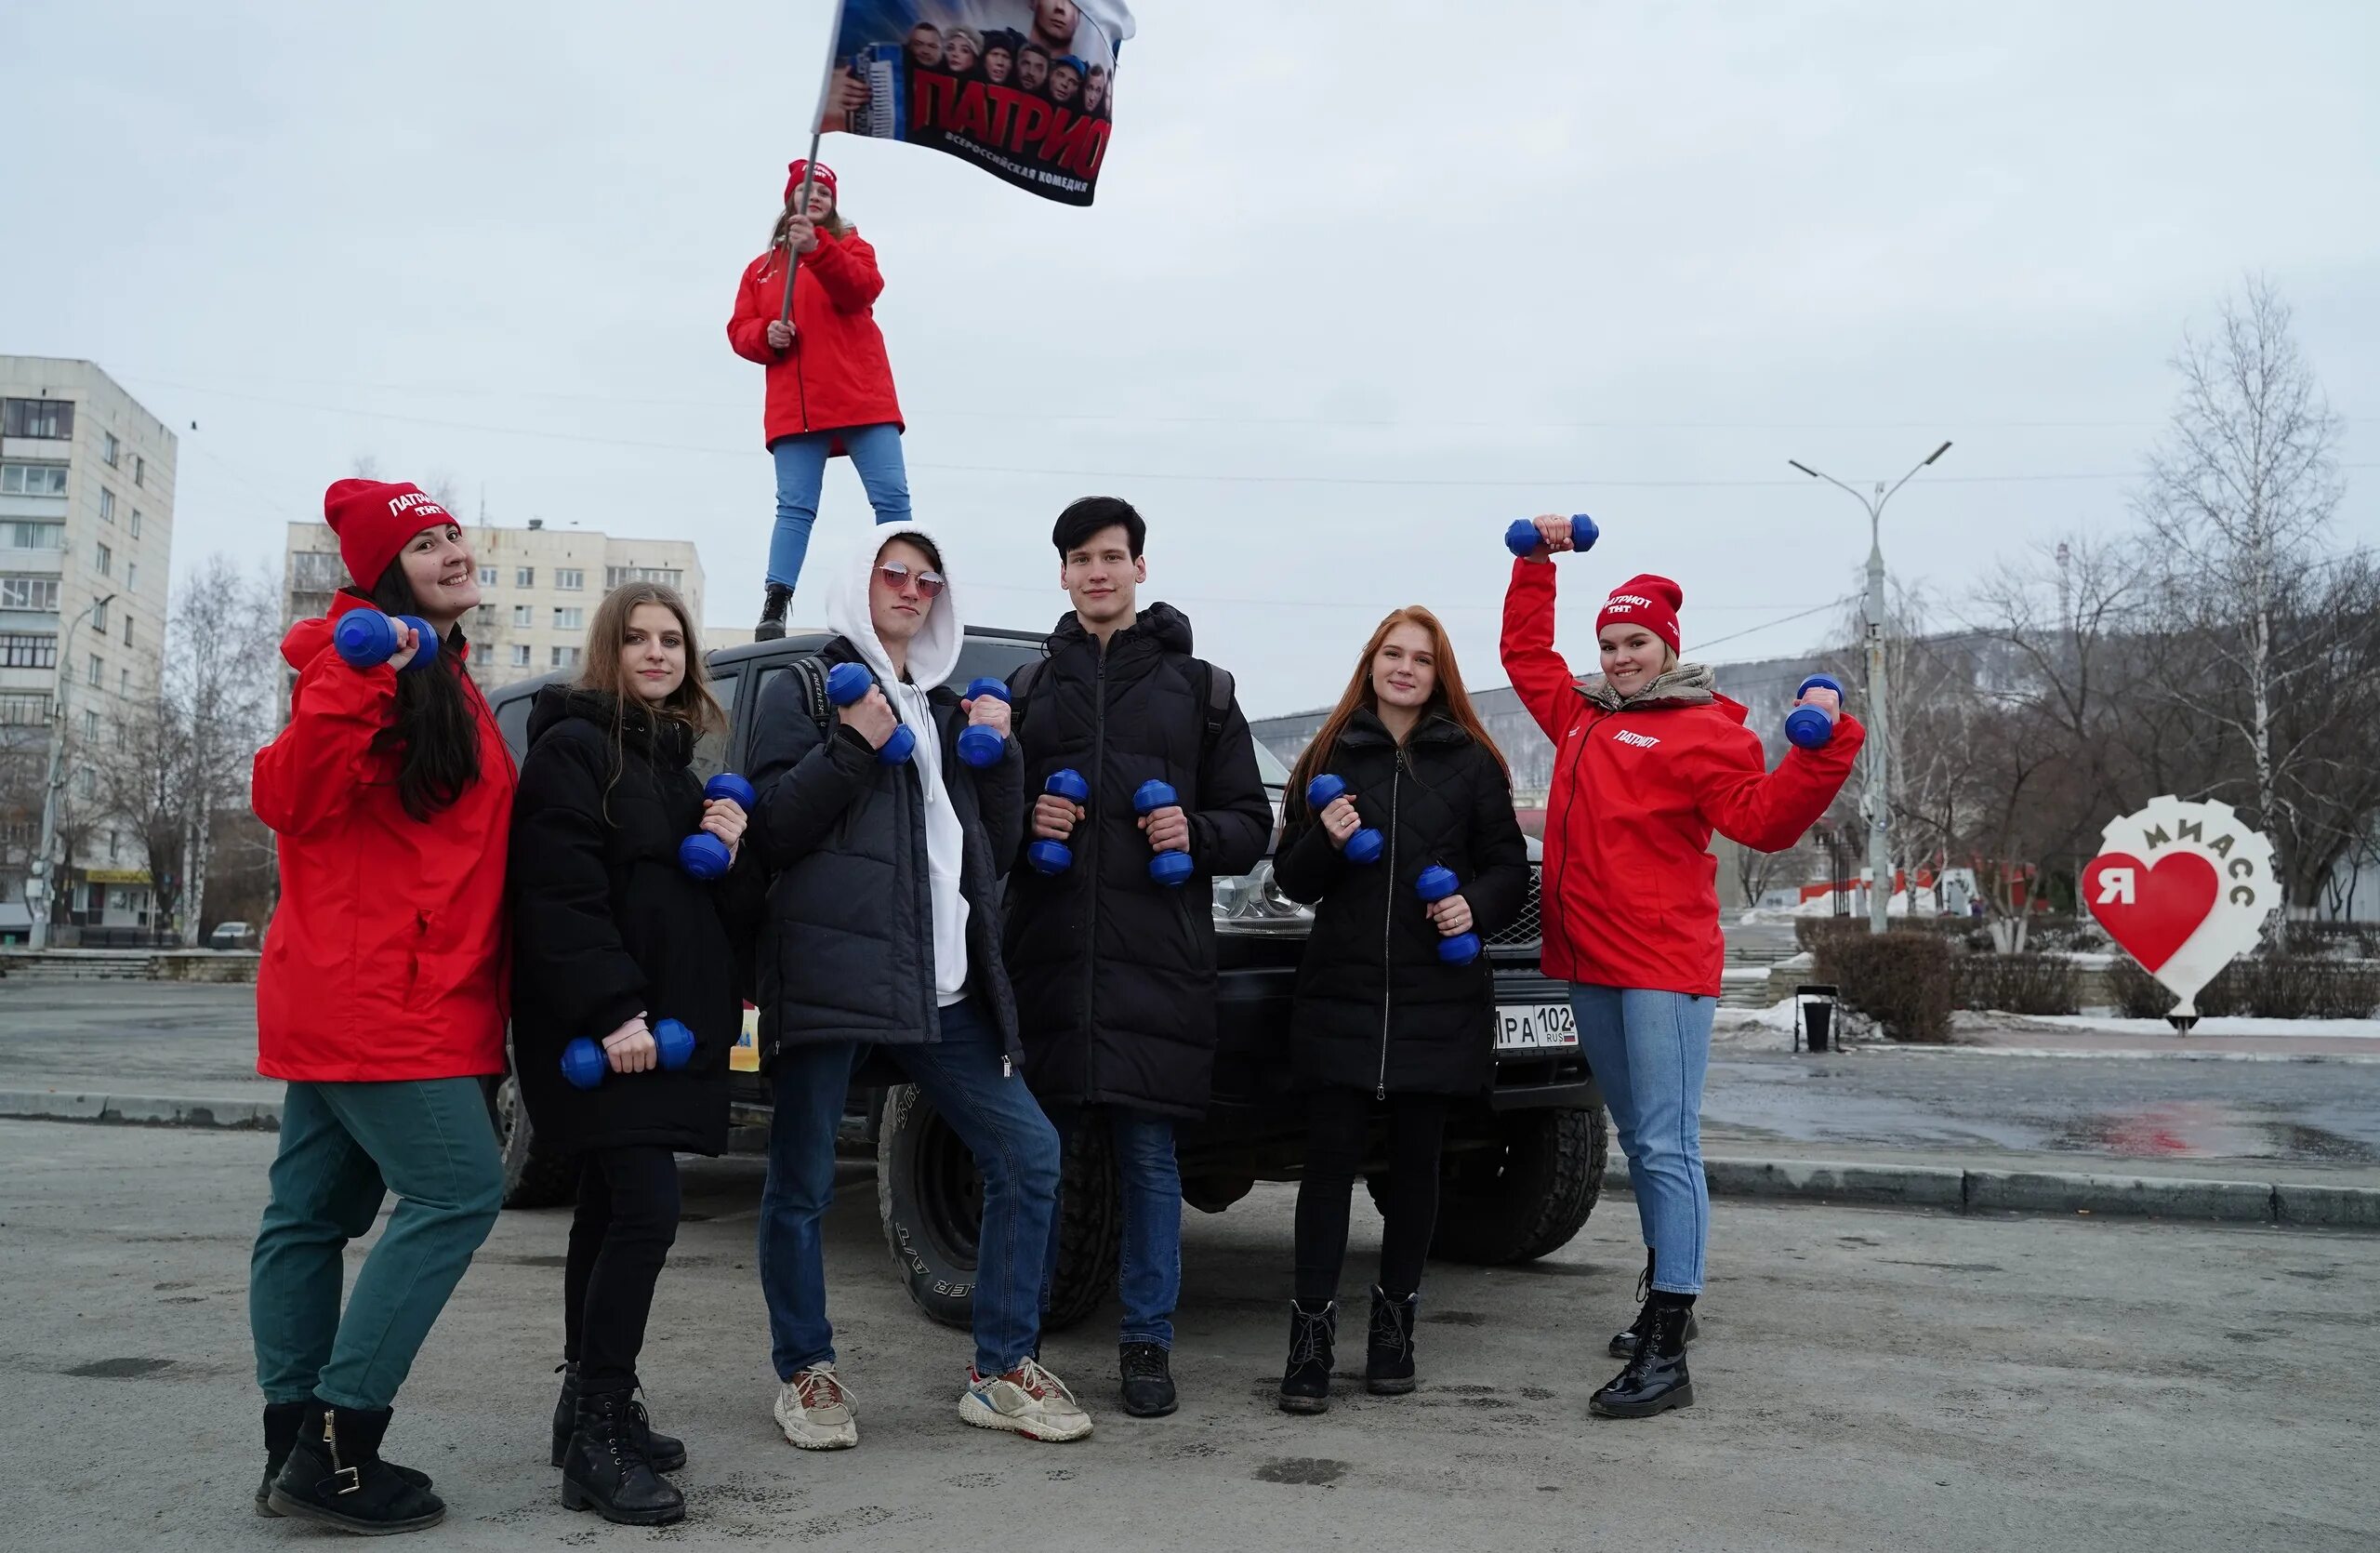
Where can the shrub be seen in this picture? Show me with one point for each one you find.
(1964, 931)
(2271, 986)
(2020, 983)
(1901, 980)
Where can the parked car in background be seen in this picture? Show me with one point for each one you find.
(231, 936)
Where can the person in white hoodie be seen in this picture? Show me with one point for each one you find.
(883, 931)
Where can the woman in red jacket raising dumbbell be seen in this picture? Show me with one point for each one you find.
(625, 883)
(1649, 761)
(830, 385)
(381, 1000)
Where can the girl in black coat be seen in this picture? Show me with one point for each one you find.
(611, 938)
(1383, 1024)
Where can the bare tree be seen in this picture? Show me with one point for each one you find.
(2238, 494)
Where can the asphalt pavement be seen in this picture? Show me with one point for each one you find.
(1867, 1379)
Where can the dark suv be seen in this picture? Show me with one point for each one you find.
(1524, 1163)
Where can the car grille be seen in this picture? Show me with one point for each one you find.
(1522, 931)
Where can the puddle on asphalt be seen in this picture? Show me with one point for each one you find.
(2203, 1129)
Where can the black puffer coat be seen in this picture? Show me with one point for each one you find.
(1377, 1009)
(846, 948)
(1116, 973)
(605, 926)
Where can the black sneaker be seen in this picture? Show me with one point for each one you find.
(1149, 1380)
(335, 1477)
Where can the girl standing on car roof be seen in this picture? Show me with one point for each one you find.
(612, 938)
(1384, 1025)
(381, 1000)
(1649, 761)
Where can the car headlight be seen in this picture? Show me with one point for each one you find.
(1252, 903)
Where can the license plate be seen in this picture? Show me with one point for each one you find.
(1536, 1027)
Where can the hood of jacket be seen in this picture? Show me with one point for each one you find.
(1688, 684)
(662, 738)
(1161, 625)
(933, 652)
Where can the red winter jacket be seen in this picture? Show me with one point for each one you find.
(1629, 898)
(836, 374)
(387, 958)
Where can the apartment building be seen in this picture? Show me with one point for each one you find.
(86, 533)
(538, 589)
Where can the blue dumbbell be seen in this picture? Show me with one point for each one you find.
(846, 683)
(1523, 539)
(1436, 883)
(702, 854)
(1365, 845)
(1169, 869)
(980, 746)
(366, 639)
(1049, 857)
(584, 1064)
(1807, 726)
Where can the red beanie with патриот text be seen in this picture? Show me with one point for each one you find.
(374, 519)
(1647, 600)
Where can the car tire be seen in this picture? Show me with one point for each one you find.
(930, 1196)
(534, 1176)
(1526, 1199)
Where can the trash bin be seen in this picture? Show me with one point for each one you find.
(1814, 1014)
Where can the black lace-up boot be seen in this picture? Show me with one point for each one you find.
(333, 1476)
(666, 1452)
(1655, 1380)
(1623, 1345)
(1388, 1355)
(771, 626)
(1305, 1384)
(605, 1469)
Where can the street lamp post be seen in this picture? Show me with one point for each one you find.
(1878, 804)
(46, 886)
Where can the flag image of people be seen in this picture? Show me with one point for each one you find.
(1025, 89)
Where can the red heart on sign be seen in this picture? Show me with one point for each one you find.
(2151, 910)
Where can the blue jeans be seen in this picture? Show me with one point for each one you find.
(994, 1116)
(1150, 1279)
(801, 470)
(1649, 1051)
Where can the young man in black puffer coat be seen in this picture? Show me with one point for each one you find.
(1115, 971)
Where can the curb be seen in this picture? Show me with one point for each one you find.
(139, 1111)
(2290, 1204)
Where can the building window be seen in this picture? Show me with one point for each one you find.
(29, 593)
(136, 523)
(524, 576)
(669, 576)
(98, 671)
(107, 505)
(99, 616)
(52, 418)
(33, 536)
(106, 558)
(487, 576)
(90, 724)
(123, 682)
(483, 619)
(565, 657)
(109, 447)
(140, 477)
(131, 576)
(127, 629)
(524, 616)
(570, 579)
(25, 650)
(87, 783)
(116, 846)
(573, 618)
(32, 478)
(521, 655)
(21, 711)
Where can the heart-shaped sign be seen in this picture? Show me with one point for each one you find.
(2184, 887)
(2150, 909)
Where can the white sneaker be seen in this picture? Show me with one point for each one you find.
(815, 1410)
(1029, 1399)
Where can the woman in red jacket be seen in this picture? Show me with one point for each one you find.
(1647, 762)
(830, 385)
(382, 1000)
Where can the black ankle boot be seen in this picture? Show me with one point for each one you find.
(1655, 1380)
(1388, 1355)
(1305, 1384)
(771, 626)
(1147, 1372)
(282, 1422)
(605, 1465)
(666, 1452)
(1623, 1345)
(335, 1476)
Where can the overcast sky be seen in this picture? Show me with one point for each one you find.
(1363, 283)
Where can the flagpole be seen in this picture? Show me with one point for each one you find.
(793, 260)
